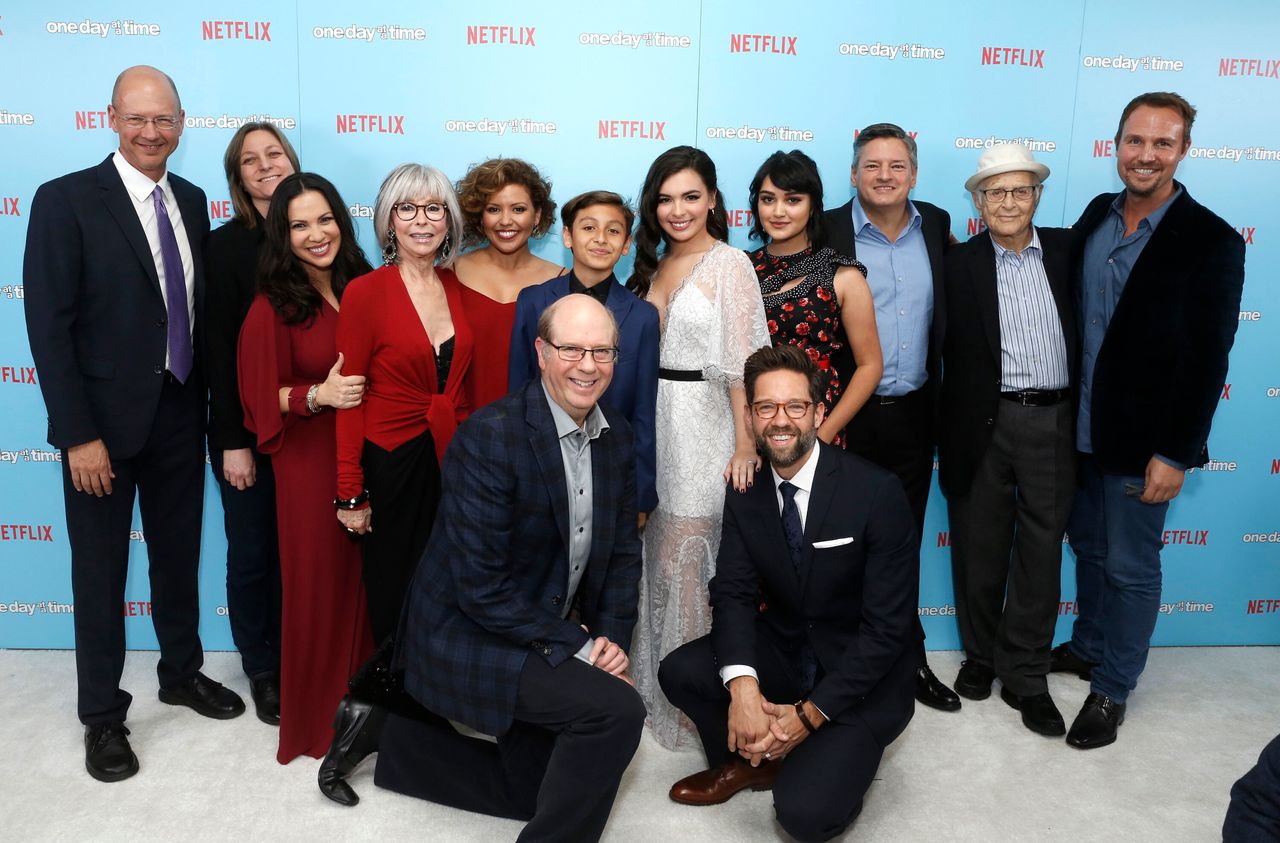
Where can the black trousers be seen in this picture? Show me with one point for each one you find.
(822, 783)
(404, 489)
(167, 476)
(253, 566)
(1006, 543)
(558, 767)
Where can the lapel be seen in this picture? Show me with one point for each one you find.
(193, 215)
(120, 205)
(619, 303)
(1056, 266)
(986, 292)
(604, 505)
(546, 451)
(820, 497)
(764, 519)
(840, 233)
(1163, 251)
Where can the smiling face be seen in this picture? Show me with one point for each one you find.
(263, 163)
(509, 218)
(598, 238)
(783, 214)
(1152, 143)
(314, 235)
(419, 238)
(884, 175)
(784, 441)
(582, 322)
(683, 206)
(1009, 220)
(144, 92)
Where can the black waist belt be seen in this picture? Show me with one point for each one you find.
(1036, 397)
(680, 374)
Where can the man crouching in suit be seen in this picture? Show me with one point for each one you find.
(537, 518)
(808, 673)
(1006, 457)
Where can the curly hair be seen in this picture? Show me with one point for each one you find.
(484, 180)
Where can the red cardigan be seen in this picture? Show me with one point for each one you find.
(382, 338)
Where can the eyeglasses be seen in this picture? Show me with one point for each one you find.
(573, 353)
(163, 123)
(996, 195)
(408, 211)
(769, 409)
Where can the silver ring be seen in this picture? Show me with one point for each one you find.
(767, 755)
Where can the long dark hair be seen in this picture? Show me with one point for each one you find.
(792, 172)
(649, 234)
(281, 276)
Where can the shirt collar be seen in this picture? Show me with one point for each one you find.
(1001, 251)
(139, 184)
(860, 220)
(1152, 219)
(802, 479)
(594, 425)
(599, 291)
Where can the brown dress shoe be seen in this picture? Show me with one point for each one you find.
(711, 787)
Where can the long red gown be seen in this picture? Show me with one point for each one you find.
(491, 325)
(324, 632)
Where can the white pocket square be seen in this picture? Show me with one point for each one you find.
(832, 543)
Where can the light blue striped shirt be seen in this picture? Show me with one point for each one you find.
(1033, 351)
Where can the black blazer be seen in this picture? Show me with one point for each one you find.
(971, 351)
(95, 315)
(856, 604)
(935, 224)
(1159, 374)
(231, 258)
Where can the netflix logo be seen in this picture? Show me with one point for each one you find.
(18, 374)
(235, 30)
(1019, 56)
(26, 532)
(975, 225)
(375, 124)
(636, 129)
(1247, 232)
(512, 36)
(1262, 607)
(750, 43)
(10, 206)
(91, 120)
(740, 218)
(1265, 68)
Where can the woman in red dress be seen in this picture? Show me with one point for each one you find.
(291, 382)
(505, 202)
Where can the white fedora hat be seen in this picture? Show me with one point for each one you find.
(1006, 158)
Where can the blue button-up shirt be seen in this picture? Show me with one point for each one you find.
(1109, 257)
(901, 282)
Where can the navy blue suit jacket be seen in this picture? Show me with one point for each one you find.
(491, 585)
(855, 604)
(95, 315)
(634, 389)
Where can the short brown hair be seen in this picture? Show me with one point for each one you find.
(1162, 99)
(786, 357)
(569, 212)
(484, 180)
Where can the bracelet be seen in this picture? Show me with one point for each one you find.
(804, 718)
(352, 503)
(312, 406)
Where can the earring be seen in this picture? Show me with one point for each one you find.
(446, 248)
(389, 251)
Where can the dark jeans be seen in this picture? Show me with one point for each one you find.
(253, 566)
(1117, 541)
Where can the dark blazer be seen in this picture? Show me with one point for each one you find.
(95, 315)
(1159, 374)
(971, 351)
(935, 225)
(634, 389)
(491, 585)
(231, 257)
(855, 605)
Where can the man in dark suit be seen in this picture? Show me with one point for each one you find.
(520, 615)
(597, 230)
(901, 241)
(113, 281)
(1161, 279)
(807, 674)
(1006, 456)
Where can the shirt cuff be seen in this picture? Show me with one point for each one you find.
(1170, 463)
(584, 653)
(732, 671)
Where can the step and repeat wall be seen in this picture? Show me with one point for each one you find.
(591, 94)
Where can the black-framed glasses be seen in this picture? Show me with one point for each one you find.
(769, 409)
(163, 123)
(996, 195)
(574, 353)
(408, 211)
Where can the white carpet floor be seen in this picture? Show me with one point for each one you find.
(1197, 722)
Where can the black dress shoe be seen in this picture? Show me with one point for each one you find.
(357, 726)
(1039, 714)
(974, 680)
(1097, 722)
(1062, 660)
(204, 696)
(266, 698)
(107, 754)
(931, 692)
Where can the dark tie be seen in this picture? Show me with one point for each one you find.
(791, 522)
(175, 289)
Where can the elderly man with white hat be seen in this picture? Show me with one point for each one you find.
(1006, 450)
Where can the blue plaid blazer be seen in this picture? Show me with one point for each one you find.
(491, 585)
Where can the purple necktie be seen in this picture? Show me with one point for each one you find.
(175, 287)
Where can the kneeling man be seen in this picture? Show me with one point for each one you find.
(808, 673)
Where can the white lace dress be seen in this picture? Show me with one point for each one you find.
(714, 321)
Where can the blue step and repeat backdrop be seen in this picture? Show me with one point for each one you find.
(592, 94)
